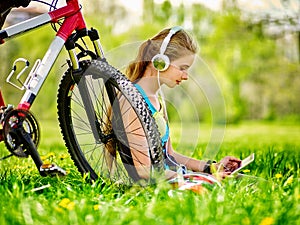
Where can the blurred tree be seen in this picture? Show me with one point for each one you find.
(201, 20)
(279, 19)
(257, 79)
(148, 11)
(242, 53)
(163, 12)
(108, 15)
(180, 14)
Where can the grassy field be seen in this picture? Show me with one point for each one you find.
(269, 194)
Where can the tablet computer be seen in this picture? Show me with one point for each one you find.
(244, 163)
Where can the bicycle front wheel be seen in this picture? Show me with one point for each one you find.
(107, 126)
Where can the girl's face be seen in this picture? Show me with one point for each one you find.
(177, 71)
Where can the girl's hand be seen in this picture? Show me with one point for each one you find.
(229, 163)
(221, 175)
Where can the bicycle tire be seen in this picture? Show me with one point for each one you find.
(106, 153)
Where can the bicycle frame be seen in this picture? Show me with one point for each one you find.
(73, 21)
(65, 36)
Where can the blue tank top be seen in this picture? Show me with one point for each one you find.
(160, 120)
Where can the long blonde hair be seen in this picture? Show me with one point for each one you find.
(180, 45)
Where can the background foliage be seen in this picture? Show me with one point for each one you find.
(258, 73)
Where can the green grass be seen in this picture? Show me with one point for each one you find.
(270, 195)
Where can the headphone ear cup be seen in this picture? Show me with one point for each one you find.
(161, 62)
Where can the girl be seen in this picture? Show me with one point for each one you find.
(165, 60)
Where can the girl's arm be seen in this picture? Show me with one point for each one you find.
(228, 163)
(191, 163)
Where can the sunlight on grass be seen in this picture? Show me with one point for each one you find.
(268, 194)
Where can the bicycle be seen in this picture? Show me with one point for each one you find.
(93, 100)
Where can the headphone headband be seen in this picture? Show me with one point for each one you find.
(167, 39)
(161, 61)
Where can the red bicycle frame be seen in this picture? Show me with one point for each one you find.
(73, 21)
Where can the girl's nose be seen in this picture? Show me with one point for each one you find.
(184, 75)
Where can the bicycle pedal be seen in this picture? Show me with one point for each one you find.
(52, 169)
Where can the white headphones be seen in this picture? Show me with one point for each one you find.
(160, 61)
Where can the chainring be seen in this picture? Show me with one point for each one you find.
(13, 120)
